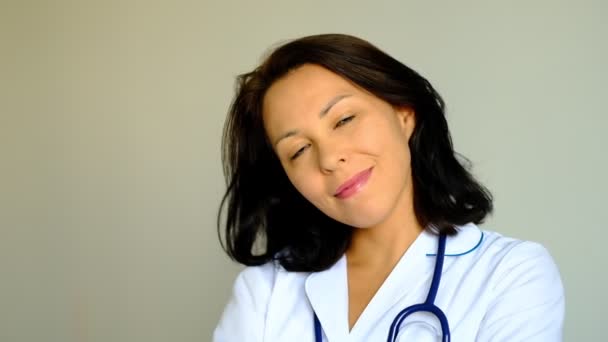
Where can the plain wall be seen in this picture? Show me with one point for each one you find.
(110, 121)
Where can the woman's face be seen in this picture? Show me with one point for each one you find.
(345, 150)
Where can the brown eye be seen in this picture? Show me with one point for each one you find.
(344, 121)
(297, 154)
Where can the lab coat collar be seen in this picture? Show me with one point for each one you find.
(469, 237)
(327, 291)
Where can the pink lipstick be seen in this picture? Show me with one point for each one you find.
(354, 184)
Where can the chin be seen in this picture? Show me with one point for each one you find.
(363, 221)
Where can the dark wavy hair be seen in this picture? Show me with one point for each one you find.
(268, 219)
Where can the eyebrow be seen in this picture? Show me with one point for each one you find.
(322, 113)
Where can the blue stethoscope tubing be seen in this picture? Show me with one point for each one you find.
(427, 306)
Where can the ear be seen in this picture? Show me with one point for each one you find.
(407, 120)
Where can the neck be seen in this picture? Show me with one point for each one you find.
(383, 245)
(380, 247)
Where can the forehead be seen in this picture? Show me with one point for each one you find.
(305, 89)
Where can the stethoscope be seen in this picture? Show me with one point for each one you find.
(427, 306)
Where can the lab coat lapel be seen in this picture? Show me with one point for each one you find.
(407, 284)
(409, 281)
(327, 292)
(402, 285)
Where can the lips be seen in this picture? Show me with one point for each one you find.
(352, 186)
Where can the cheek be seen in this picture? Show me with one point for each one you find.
(379, 139)
(307, 184)
(394, 152)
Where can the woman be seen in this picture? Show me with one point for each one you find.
(348, 204)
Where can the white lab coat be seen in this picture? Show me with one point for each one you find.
(493, 288)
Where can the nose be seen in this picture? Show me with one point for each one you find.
(330, 157)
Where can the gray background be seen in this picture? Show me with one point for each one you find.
(111, 115)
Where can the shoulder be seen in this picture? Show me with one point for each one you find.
(255, 289)
(525, 292)
(244, 315)
(254, 283)
(471, 239)
(263, 279)
(500, 262)
(511, 255)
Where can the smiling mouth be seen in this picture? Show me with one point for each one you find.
(354, 184)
